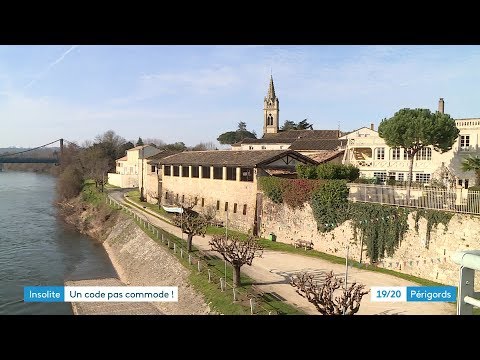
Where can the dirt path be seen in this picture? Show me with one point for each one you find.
(273, 270)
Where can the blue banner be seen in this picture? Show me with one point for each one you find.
(432, 293)
(43, 294)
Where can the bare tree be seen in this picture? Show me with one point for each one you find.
(191, 222)
(237, 252)
(95, 164)
(154, 141)
(323, 295)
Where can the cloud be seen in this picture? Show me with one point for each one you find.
(50, 66)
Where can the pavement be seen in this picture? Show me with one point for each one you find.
(273, 270)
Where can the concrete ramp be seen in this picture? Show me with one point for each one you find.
(110, 308)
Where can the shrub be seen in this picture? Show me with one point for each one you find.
(296, 192)
(306, 171)
(271, 187)
(474, 188)
(332, 171)
(330, 204)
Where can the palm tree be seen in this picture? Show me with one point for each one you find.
(472, 163)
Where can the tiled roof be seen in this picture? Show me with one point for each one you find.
(317, 144)
(250, 158)
(325, 155)
(154, 158)
(122, 159)
(291, 135)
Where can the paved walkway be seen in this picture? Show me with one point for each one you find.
(273, 270)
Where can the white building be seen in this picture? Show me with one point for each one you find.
(368, 151)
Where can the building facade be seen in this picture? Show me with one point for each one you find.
(128, 170)
(365, 149)
(225, 182)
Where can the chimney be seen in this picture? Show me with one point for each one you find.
(372, 126)
(441, 106)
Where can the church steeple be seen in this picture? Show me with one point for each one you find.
(271, 110)
(271, 89)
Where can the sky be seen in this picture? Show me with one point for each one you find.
(194, 93)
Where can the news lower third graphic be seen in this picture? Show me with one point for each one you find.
(100, 293)
(413, 294)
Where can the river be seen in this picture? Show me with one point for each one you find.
(37, 248)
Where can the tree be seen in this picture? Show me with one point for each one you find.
(472, 163)
(291, 125)
(192, 223)
(231, 137)
(95, 165)
(113, 146)
(154, 142)
(204, 146)
(323, 296)
(139, 142)
(69, 182)
(180, 146)
(237, 251)
(242, 126)
(415, 129)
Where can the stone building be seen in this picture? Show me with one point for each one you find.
(368, 151)
(320, 144)
(225, 181)
(129, 168)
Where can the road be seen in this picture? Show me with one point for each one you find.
(273, 270)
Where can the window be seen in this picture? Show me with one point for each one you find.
(460, 182)
(245, 209)
(281, 147)
(176, 198)
(263, 147)
(380, 153)
(218, 204)
(168, 170)
(183, 199)
(194, 171)
(400, 177)
(466, 183)
(382, 176)
(422, 178)
(153, 169)
(396, 153)
(235, 208)
(218, 172)
(269, 119)
(226, 205)
(203, 202)
(185, 171)
(205, 172)
(464, 142)
(231, 173)
(424, 154)
(176, 170)
(166, 195)
(196, 200)
(250, 147)
(246, 174)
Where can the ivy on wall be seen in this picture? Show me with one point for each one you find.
(433, 217)
(378, 227)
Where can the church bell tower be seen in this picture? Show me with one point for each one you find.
(270, 111)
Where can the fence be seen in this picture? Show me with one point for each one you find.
(256, 303)
(455, 200)
(467, 297)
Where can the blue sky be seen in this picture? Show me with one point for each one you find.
(194, 93)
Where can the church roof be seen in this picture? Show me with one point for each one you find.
(247, 158)
(317, 144)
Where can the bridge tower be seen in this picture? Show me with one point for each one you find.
(61, 151)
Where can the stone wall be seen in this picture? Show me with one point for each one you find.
(462, 233)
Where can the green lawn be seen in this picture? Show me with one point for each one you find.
(134, 195)
(221, 302)
(91, 194)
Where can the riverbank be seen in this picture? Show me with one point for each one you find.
(137, 259)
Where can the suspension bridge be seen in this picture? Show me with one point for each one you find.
(26, 156)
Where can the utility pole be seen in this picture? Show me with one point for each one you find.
(61, 151)
(141, 189)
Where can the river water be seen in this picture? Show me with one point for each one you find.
(37, 248)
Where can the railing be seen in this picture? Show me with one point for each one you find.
(397, 164)
(456, 200)
(258, 303)
(467, 296)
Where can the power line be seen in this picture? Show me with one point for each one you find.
(24, 151)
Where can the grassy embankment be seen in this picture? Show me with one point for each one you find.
(221, 302)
